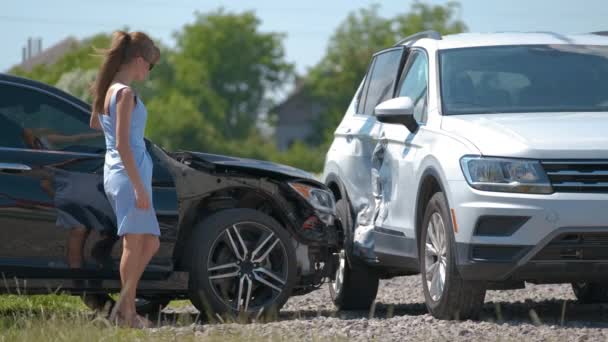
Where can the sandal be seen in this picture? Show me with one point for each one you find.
(141, 322)
(121, 321)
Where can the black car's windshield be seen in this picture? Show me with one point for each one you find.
(521, 79)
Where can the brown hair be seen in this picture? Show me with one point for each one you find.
(125, 46)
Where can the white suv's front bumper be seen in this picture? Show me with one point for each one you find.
(520, 247)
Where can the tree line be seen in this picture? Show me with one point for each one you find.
(209, 92)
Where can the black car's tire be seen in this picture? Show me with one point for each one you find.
(145, 306)
(455, 298)
(355, 284)
(590, 293)
(268, 268)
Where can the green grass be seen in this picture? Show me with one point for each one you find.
(179, 303)
(40, 303)
(64, 318)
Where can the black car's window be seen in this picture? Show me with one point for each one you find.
(35, 120)
(382, 79)
(524, 79)
(414, 83)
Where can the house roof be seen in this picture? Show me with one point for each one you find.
(298, 90)
(49, 55)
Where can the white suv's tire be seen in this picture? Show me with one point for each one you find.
(355, 285)
(447, 295)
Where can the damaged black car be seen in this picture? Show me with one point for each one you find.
(237, 235)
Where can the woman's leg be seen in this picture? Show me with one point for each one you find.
(129, 273)
(150, 247)
(138, 249)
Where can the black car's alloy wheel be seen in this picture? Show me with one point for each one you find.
(243, 262)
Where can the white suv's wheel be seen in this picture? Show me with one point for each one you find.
(355, 285)
(447, 295)
(435, 256)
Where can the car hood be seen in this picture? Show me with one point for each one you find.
(252, 166)
(534, 135)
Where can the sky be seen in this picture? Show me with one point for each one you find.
(308, 24)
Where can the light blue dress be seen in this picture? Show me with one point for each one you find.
(117, 185)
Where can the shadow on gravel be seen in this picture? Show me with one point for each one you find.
(381, 311)
(545, 313)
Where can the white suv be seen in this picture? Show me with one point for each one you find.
(480, 160)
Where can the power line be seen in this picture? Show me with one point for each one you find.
(73, 22)
(114, 26)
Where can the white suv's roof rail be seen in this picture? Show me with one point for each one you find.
(424, 34)
(601, 33)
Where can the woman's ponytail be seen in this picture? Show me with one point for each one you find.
(113, 59)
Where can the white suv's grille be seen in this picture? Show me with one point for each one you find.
(577, 175)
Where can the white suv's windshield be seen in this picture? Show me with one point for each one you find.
(525, 78)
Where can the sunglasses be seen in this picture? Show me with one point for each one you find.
(151, 64)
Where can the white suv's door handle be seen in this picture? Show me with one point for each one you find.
(14, 167)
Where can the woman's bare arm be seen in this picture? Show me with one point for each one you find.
(94, 122)
(124, 108)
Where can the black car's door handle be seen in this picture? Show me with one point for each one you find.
(14, 167)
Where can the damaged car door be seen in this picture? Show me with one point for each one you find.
(374, 208)
(393, 173)
(362, 148)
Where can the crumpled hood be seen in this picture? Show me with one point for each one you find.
(254, 166)
(534, 135)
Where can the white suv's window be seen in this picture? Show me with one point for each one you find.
(382, 79)
(415, 83)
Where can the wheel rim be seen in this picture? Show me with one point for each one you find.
(435, 256)
(247, 266)
(337, 283)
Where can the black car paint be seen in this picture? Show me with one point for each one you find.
(186, 186)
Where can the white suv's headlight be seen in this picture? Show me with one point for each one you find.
(320, 199)
(505, 175)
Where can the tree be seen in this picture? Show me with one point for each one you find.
(230, 68)
(77, 82)
(333, 81)
(174, 122)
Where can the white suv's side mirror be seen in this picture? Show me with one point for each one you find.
(399, 110)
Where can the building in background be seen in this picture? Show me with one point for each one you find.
(296, 116)
(32, 53)
(31, 49)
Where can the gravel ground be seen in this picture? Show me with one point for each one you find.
(531, 314)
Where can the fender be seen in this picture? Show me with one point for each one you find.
(431, 171)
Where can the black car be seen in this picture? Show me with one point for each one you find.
(237, 235)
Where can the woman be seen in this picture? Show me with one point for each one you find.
(128, 166)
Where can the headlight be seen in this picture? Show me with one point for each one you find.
(320, 199)
(506, 175)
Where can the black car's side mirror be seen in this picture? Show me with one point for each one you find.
(399, 110)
